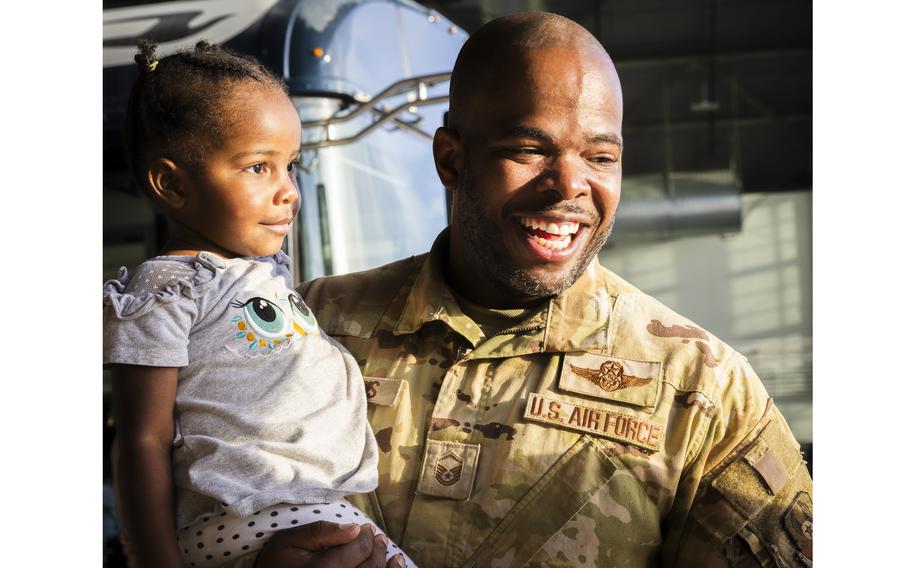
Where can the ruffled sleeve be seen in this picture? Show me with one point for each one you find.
(148, 315)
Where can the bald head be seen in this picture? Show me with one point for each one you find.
(505, 47)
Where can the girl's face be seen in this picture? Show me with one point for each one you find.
(242, 199)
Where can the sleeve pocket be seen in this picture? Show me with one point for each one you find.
(762, 497)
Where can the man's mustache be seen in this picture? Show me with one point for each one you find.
(569, 208)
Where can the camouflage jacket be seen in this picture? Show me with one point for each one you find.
(604, 430)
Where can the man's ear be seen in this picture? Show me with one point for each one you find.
(165, 181)
(448, 153)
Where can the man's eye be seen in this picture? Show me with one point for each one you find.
(525, 151)
(603, 160)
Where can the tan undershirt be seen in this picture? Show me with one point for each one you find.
(491, 320)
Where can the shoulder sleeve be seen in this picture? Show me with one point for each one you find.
(148, 315)
(751, 500)
(354, 304)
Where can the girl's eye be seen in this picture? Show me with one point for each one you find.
(264, 317)
(292, 167)
(257, 168)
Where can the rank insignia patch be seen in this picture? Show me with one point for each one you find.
(448, 469)
(612, 378)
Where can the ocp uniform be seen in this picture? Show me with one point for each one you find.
(602, 429)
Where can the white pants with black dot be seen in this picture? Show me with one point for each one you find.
(215, 540)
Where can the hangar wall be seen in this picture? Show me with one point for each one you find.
(753, 289)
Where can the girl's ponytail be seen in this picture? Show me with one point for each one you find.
(146, 59)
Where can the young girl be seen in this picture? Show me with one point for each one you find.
(225, 389)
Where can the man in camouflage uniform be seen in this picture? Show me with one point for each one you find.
(532, 408)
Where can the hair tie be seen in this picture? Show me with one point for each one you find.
(151, 66)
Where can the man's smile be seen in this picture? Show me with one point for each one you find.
(550, 237)
(550, 233)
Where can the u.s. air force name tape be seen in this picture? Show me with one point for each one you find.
(381, 391)
(620, 427)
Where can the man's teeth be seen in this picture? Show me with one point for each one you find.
(557, 229)
(560, 233)
(555, 244)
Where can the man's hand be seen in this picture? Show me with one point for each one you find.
(324, 544)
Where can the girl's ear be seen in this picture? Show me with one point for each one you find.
(166, 183)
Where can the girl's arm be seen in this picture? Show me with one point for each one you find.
(144, 419)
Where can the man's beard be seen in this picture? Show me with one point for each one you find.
(489, 258)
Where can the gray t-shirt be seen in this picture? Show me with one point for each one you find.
(269, 409)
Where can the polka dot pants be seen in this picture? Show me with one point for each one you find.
(215, 540)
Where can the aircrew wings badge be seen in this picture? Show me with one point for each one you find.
(612, 378)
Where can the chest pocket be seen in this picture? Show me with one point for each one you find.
(550, 503)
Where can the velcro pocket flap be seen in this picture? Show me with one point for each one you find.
(766, 463)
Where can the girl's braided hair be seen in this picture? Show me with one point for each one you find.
(176, 106)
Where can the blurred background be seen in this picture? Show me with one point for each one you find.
(715, 217)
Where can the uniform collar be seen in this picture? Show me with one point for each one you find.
(430, 298)
(573, 320)
(579, 316)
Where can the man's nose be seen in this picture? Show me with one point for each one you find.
(567, 177)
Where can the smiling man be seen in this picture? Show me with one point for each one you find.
(531, 407)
